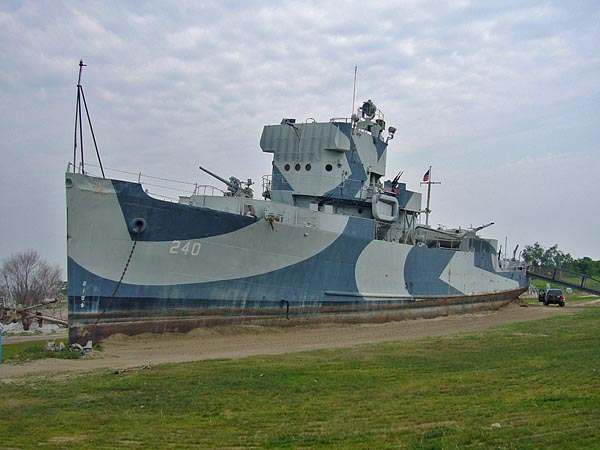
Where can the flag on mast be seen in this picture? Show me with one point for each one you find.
(426, 177)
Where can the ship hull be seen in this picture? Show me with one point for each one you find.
(196, 266)
(150, 319)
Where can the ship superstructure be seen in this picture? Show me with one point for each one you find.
(329, 239)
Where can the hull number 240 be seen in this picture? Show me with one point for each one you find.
(185, 248)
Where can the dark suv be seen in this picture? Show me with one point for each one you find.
(551, 296)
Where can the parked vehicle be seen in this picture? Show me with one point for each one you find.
(552, 296)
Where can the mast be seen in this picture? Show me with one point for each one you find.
(75, 134)
(79, 122)
(427, 210)
(79, 113)
(429, 183)
(354, 90)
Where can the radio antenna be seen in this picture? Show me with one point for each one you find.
(354, 89)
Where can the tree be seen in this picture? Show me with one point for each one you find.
(588, 266)
(532, 254)
(27, 279)
(553, 257)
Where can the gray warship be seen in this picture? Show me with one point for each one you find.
(329, 240)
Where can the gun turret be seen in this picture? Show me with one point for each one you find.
(235, 187)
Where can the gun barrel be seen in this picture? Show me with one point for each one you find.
(223, 180)
(483, 226)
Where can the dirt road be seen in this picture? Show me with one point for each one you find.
(59, 335)
(121, 352)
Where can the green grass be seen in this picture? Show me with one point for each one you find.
(29, 351)
(575, 297)
(540, 381)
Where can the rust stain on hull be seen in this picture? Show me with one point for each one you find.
(100, 326)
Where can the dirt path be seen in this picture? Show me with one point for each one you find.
(121, 352)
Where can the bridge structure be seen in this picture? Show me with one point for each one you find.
(573, 280)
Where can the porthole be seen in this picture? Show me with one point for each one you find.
(307, 167)
(297, 167)
(328, 167)
(287, 167)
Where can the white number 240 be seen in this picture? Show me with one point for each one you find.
(188, 247)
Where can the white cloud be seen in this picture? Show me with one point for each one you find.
(468, 85)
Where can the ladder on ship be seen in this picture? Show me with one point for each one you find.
(573, 280)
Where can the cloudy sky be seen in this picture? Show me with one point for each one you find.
(501, 97)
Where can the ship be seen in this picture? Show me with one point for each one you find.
(329, 240)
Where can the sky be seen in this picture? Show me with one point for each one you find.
(502, 98)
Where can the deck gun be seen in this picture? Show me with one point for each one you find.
(476, 229)
(235, 187)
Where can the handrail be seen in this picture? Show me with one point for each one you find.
(549, 269)
(193, 189)
(566, 277)
(141, 174)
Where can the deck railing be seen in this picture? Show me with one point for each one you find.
(160, 187)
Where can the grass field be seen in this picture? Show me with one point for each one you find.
(29, 351)
(527, 385)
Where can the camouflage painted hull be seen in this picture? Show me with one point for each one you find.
(194, 266)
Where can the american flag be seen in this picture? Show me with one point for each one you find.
(426, 177)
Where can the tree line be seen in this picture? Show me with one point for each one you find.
(538, 256)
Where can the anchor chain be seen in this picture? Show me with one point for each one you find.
(125, 268)
(97, 322)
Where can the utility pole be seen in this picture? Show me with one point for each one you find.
(429, 182)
